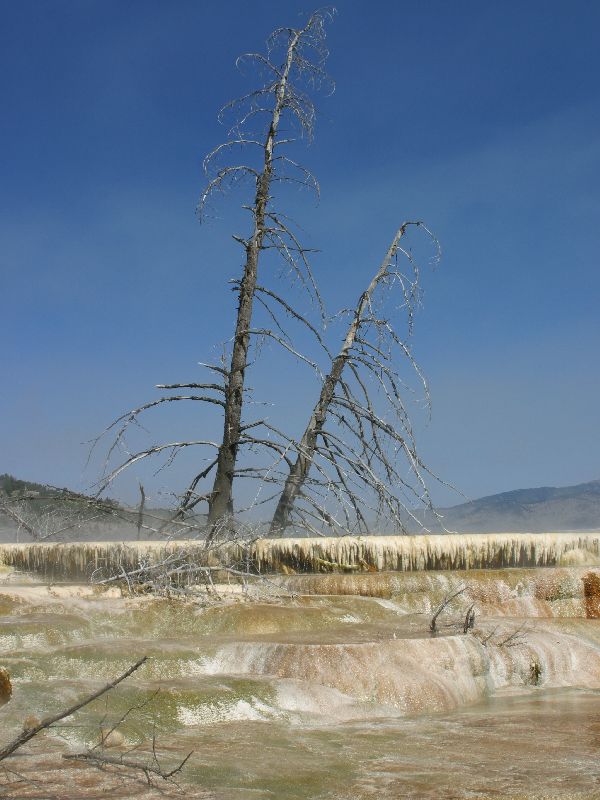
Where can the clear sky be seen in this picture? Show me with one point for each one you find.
(483, 119)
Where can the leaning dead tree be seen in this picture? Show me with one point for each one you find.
(292, 65)
(358, 447)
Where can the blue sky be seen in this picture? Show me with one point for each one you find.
(480, 118)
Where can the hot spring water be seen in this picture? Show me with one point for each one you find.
(338, 692)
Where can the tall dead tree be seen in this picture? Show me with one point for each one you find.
(268, 226)
(293, 65)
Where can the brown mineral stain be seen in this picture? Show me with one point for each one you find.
(591, 591)
(5, 687)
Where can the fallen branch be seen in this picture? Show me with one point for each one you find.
(25, 736)
(515, 639)
(485, 639)
(100, 759)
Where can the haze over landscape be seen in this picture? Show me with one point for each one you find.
(568, 508)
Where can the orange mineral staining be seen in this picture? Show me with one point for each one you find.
(591, 591)
(5, 687)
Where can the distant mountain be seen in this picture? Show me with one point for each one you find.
(568, 508)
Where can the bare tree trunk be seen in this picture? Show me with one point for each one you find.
(308, 443)
(140, 519)
(221, 500)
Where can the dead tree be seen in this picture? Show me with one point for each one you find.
(442, 606)
(55, 516)
(469, 622)
(292, 64)
(356, 462)
(268, 226)
(151, 768)
(353, 446)
(205, 575)
(17, 516)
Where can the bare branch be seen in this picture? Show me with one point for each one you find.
(174, 446)
(101, 759)
(10, 512)
(48, 722)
